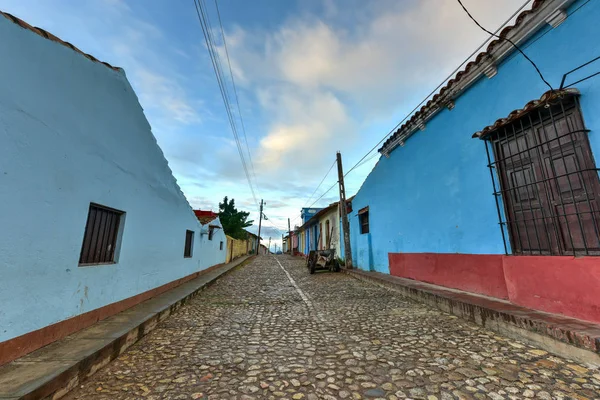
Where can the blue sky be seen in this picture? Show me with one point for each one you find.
(313, 77)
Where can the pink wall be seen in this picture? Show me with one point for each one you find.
(560, 285)
(474, 273)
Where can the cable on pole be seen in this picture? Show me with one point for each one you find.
(437, 87)
(509, 41)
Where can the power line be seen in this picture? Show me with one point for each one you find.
(324, 193)
(208, 37)
(322, 180)
(437, 88)
(237, 100)
(509, 41)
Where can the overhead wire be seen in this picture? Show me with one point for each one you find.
(237, 100)
(437, 88)
(509, 41)
(215, 59)
(320, 183)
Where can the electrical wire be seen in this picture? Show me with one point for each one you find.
(437, 87)
(322, 180)
(215, 59)
(509, 41)
(237, 100)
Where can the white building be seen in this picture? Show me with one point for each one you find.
(92, 220)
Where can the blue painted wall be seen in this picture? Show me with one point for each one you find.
(435, 193)
(72, 132)
(308, 213)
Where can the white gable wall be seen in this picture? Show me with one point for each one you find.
(72, 132)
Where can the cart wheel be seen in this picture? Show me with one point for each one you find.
(336, 266)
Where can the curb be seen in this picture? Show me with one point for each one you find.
(568, 337)
(54, 370)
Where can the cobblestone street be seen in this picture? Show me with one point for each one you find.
(259, 334)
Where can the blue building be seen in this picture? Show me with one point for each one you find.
(491, 187)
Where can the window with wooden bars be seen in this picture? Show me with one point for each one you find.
(211, 232)
(545, 180)
(101, 235)
(363, 220)
(221, 246)
(189, 244)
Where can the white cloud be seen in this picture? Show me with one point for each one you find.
(319, 82)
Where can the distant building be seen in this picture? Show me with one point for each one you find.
(213, 240)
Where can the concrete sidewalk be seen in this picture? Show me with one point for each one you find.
(571, 338)
(54, 370)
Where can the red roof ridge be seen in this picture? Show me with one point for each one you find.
(49, 36)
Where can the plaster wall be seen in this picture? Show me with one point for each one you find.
(434, 195)
(73, 132)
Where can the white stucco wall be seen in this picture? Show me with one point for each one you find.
(334, 222)
(210, 249)
(72, 132)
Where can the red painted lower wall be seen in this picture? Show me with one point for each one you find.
(559, 285)
(473, 273)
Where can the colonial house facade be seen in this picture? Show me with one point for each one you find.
(93, 221)
(492, 186)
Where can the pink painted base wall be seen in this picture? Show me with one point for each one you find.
(473, 273)
(561, 285)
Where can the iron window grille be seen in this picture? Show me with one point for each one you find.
(189, 244)
(101, 234)
(545, 180)
(363, 220)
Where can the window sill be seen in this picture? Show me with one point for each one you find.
(97, 264)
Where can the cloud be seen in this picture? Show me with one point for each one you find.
(320, 82)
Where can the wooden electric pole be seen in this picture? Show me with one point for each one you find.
(259, 224)
(291, 245)
(344, 210)
(269, 244)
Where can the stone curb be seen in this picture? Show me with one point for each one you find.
(568, 337)
(54, 370)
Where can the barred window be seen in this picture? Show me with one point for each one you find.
(545, 180)
(189, 244)
(100, 237)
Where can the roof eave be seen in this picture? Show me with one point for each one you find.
(533, 20)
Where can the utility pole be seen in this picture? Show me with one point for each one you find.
(259, 224)
(344, 210)
(291, 246)
(269, 244)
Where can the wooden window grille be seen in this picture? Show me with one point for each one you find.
(101, 234)
(545, 182)
(189, 240)
(211, 231)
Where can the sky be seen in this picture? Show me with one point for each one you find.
(312, 76)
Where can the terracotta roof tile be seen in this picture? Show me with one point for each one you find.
(49, 36)
(483, 56)
(514, 115)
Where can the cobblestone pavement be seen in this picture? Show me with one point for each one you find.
(256, 335)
